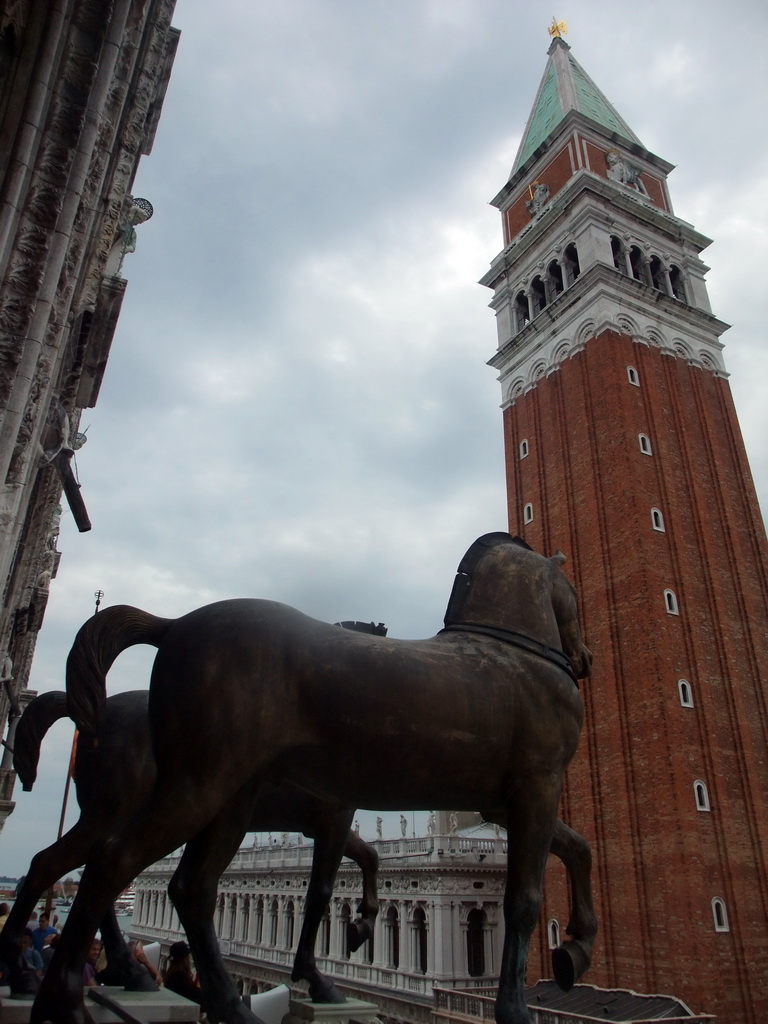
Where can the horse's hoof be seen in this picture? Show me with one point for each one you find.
(358, 932)
(569, 962)
(562, 968)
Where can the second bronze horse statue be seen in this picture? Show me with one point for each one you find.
(484, 715)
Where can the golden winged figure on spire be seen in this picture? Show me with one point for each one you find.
(557, 28)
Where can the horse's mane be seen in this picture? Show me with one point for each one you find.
(469, 563)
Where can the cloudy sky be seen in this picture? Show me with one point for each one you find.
(297, 404)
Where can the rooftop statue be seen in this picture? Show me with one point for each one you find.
(290, 707)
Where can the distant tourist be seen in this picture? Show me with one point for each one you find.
(137, 951)
(91, 965)
(43, 932)
(178, 975)
(32, 960)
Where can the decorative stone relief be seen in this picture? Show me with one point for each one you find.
(539, 199)
(623, 172)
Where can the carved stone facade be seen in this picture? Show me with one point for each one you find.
(82, 85)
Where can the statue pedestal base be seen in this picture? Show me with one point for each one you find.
(160, 1007)
(303, 1011)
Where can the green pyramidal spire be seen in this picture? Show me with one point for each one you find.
(566, 86)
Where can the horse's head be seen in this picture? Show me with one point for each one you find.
(504, 584)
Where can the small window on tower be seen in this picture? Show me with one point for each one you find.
(633, 377)
(702, 797)
(523, 449)
(720, 915)
(645, 444)
(528, 513)
(657, 519)
(686, 697)
(670, 602)
(553, 931)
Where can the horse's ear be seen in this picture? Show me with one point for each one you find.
(559, 557)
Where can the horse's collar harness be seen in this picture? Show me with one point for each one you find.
(527, 643)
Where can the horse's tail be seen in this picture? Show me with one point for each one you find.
(38, 717)
(97, 644)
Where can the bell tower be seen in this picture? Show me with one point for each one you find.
(623, 449)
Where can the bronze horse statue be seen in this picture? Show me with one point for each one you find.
(485, 715)
(113, 777)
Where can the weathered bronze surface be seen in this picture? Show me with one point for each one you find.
(465, 720)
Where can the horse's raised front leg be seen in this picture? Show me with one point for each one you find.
(193, 890)
(531, 813)
(366, 858)
(571, 959)
(330, 839)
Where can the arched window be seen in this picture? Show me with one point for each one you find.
(554, 279)
(617, 250)
(392, 937)
(523, 448)
(720, 915)
(245, 919)
(553, 932)
(528, 513)
(538, 295)
(636, 262)
(345, 916)
(289, 926)
(571, 264)
(273, 911)
(420, 944)
(670, 602)
(633, 377)
(259, 930)
(222, 907)
(476, 922)
(657, 273)
(521, 311)
(232, 917)
(657, 520)
(701, 795)
(686, 695)
(645, 444)
(676, 283)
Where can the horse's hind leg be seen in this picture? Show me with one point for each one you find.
(193, 891)
(163, 825)
(366, 858)
(571, 959)
(50, 864)
(330, 839)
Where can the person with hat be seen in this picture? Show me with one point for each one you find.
(178, 975)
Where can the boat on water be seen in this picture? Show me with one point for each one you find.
(124, 905)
